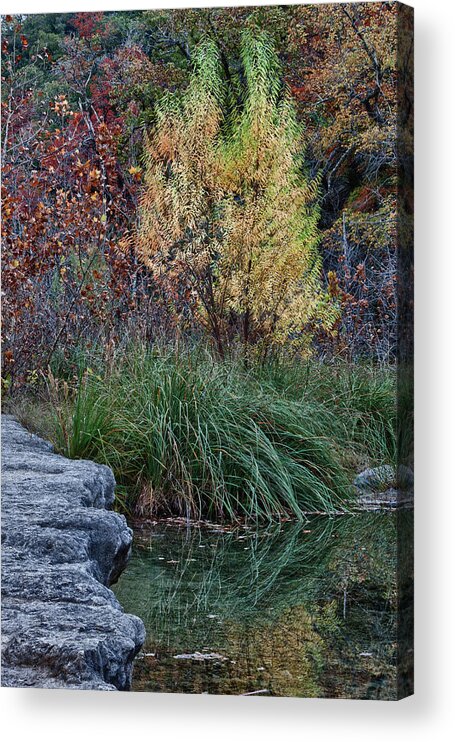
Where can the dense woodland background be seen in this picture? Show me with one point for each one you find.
(79, 91)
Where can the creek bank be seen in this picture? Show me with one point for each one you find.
(62, 547)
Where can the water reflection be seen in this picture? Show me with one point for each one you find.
(293, 610)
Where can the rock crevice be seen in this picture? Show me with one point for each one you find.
(62, 547)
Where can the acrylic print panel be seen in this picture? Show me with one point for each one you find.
(208, 313)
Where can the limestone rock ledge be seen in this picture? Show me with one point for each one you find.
(61, 549)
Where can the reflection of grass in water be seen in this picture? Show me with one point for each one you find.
(231, 575)
(274, 597)
(243, 575)
(360, 623)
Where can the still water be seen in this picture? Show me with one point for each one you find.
(304, 610)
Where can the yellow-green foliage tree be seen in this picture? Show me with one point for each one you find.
(228, 218)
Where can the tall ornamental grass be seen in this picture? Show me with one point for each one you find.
(189, 436)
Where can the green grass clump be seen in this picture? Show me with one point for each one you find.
(363, 399)
(188, 435)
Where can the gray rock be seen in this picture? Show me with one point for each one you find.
(378, 479)
(62, 627)
(201, 656)
(384, 488)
